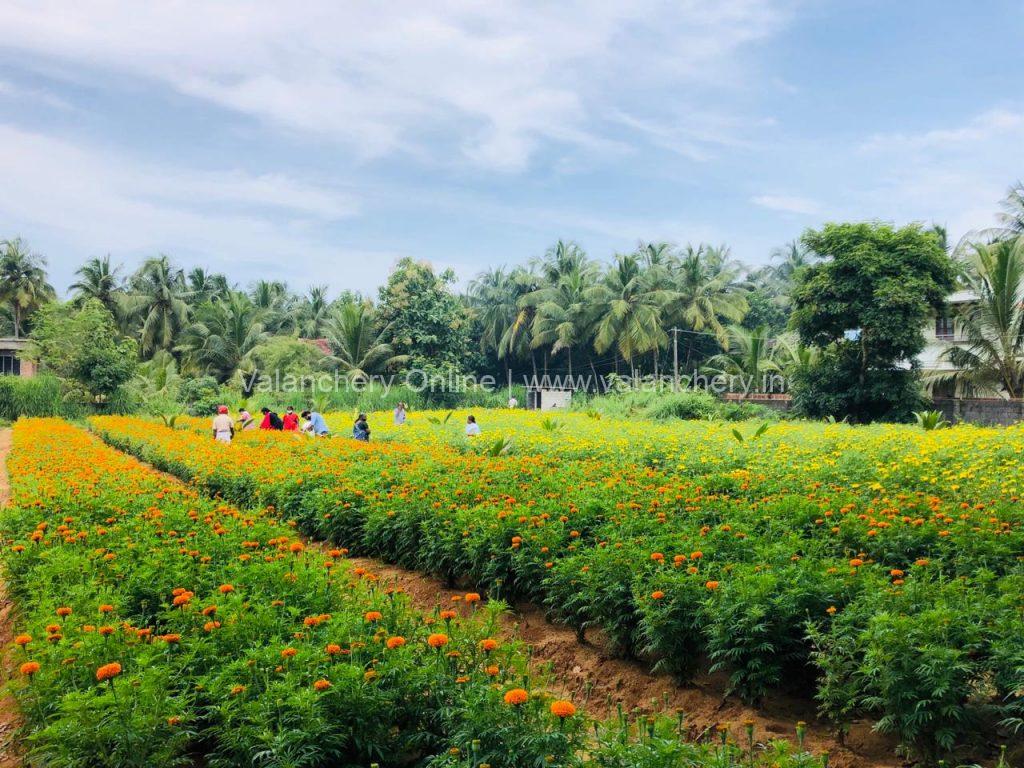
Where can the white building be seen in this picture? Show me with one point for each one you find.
(942, 333)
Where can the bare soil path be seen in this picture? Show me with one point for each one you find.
(591, 676)
(10, 719)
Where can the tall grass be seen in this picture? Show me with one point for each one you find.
(37, 396)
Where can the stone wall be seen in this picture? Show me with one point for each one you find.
(982, 410)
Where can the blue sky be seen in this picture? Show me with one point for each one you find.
(320, 141)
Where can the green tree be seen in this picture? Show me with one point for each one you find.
(99, 279)
(564, 317)
(750, 357)
(158, 303)
(220, 340)
(23, 285)
(629, 304)
(80, 345)
(422, 319)
(991, 356)
(359, 348)
(313, 311)
(865, 305)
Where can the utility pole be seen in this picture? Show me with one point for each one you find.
(675, 358)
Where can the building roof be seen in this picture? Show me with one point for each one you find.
(965, 296)
(9, 342)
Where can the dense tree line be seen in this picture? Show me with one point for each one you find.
(565, 313)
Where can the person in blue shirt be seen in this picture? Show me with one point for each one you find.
(361, 430)
(317, 424)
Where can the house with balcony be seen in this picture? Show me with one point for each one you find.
(942, 333)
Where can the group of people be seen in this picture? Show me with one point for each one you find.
(472, 428)
(309, 422)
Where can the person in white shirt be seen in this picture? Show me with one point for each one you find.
(512, 402)
(223, 427)
(399, 414)
(472, 428)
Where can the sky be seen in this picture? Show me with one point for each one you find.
(319, 141)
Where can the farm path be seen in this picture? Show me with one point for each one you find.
(10, 719)
(589, 675)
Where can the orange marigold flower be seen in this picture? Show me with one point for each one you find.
(516, 697)
(922, 562)
(106, 608)
(657, 594)
(288, 653)
(322, 685)
(297, 547)
(489, 644)
(173, 720)
(226, 588)
(447, 615)
(472, 597)
(63, 611)
(108, 671)
(492, 670)
(171, 638)
(23, 640)
(333, 649)
(395, 642)
(437, 640)
(856, 562)
(106, 631)
(711, 585)
(373, 616)
(29, 668)
(562, 708)
(696, 555)
(657, 557)
(237, 690)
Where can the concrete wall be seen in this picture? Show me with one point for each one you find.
(777, 402)
(981, 410)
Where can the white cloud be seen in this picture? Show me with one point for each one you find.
(79, 200)
(788, 204)
(491, 80)
(954, 176)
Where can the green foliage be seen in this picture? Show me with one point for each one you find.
(202, 395)
(36, 396)
(929, 420)
(866, 304)
(667, 405)
(423, 318)
(81, 347)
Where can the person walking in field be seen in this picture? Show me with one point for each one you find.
(245, 420)
(290, 422)
(223, 427)
(270, 420)
(472, 428)
(315, 424)
(400, 414)
(361, 429)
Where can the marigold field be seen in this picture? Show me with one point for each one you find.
(879, 570)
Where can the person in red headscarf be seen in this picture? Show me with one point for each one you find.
(223, 427)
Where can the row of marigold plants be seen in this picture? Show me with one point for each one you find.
(158, 627)
(809, 587)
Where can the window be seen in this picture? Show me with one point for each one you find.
(10, 365)
(944, 328)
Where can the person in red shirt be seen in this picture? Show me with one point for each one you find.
(270, 420)
(291, 420)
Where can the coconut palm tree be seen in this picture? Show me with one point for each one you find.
(23, 285)
(98, 279)
(750, 356)
(313, 312)
(158, 302)
(991, 357)
(629, 305)
(207, 286)
(706, 291)
(357, 345)
(563, 315)
(223, 335)
(278, 305)
(1011, 218)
